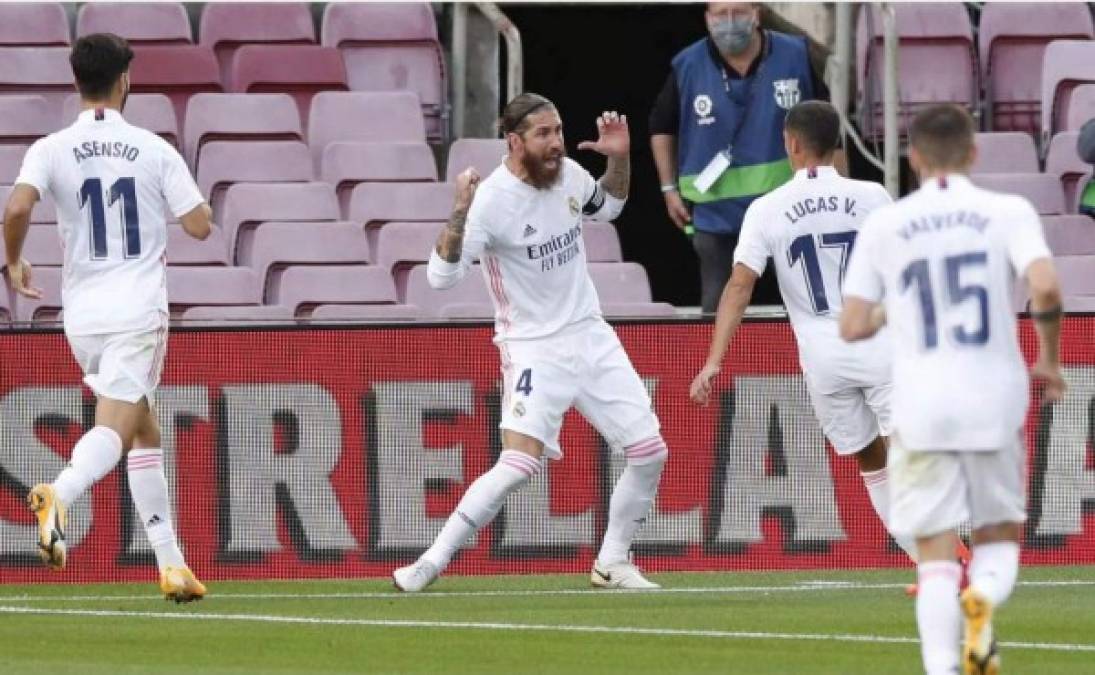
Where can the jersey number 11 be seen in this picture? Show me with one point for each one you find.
(125, 189)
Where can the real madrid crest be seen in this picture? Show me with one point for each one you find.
(703, 106)
(573, 204)
(519, 409)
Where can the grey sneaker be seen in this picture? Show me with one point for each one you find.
(415, 577)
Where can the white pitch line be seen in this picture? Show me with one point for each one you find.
(484, 625)
(801, 587)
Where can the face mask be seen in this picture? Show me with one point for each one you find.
(732, 36)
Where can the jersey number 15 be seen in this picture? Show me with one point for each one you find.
(125, 189)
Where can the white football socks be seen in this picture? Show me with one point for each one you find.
(878, 489)
(632, 498)
(994, 569)
(95, 454)
(938, 616)
(148, 488)
(481, 503)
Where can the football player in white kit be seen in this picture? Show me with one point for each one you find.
(939, 267)
(809, 227)
(525, 227)
(109, 181)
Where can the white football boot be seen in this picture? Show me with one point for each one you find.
(415, 577)
(622, 575)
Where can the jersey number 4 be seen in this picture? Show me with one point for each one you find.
(803, 248)
(125, 189)
(918, 274)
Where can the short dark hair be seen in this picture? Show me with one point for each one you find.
(515, 114)
(942, 135)
(98, 60)
(816, 124)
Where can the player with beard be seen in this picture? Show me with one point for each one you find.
(524, 224)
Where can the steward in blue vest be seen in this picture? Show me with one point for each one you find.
(716, 100)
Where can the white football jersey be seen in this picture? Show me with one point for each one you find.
(109, 181)
(808, 226)
(530, 244)
(943, 260)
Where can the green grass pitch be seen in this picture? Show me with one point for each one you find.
(759, 623)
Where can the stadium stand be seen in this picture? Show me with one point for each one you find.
(239, 117)
(182, 249)
(1081, 107)
(141, 23)
(42, 71)
(468, 299)
(44, 211)
(11, 159)
(482, 154)
(374, 204)
(42, 247)
(300, 71)
(33, 24)
(237, 313)
(346, 164)
(148, 111)
(227, 162)
(302, 288)
(936, 60)
(1067, 64)
(1043, 191)
(5, 307)
(1012, 39)
(1069, 235)
(1063, 162)
(48, 307)
(25, 119)
(209, 285)
(248, 205)
(391, 46)
(364, 116)
(177, 71)
(276, 246)
(226, 26)
(1005, 152)
(1075, 274)
(602, 242)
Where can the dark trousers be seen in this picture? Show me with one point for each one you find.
(716, 253)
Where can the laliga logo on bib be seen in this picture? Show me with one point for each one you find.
(787, 93)
(703, 106)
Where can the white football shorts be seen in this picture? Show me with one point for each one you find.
(853, 417)
(122, 366)
(585, 367)
(932, 492)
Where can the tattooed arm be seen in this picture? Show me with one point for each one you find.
(611, 191)
(617, 178)
(447, 264)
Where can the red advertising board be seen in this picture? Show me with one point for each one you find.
(338, 452)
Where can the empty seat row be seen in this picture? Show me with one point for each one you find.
(1028, 59)
(1014, 152)
(242, 47)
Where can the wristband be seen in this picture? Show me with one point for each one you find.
(669, 187)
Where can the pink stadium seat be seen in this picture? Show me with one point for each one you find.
(1079, 303)
(46, 309)
(141, 23)
(11, 160)
(179, 71)
(275, 246)
(147, 111)
(226, 26)
(365, 313)
(936, 60)
(246, 205)
(1043, 191)
(373, 204)
(42, 247)
(620, 283)
(42, 71)
(1081, 107)
(190, 286)
(468, 299)
(1069, 235)
(391, 46)
(1076, 274)
(238, 314)
(226, 162)
(1012, 38)
(43, 212)
(602, 242)
(364, 116)
(483, 154)
(1067, 64)
(298, 70)
(25, 119)
(1005, 152)
(239, 117)
(345, 164)
(1063, 161)
(33, 24)
(402, 246)
(302, 287)
(637, 310)
(182, 249)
